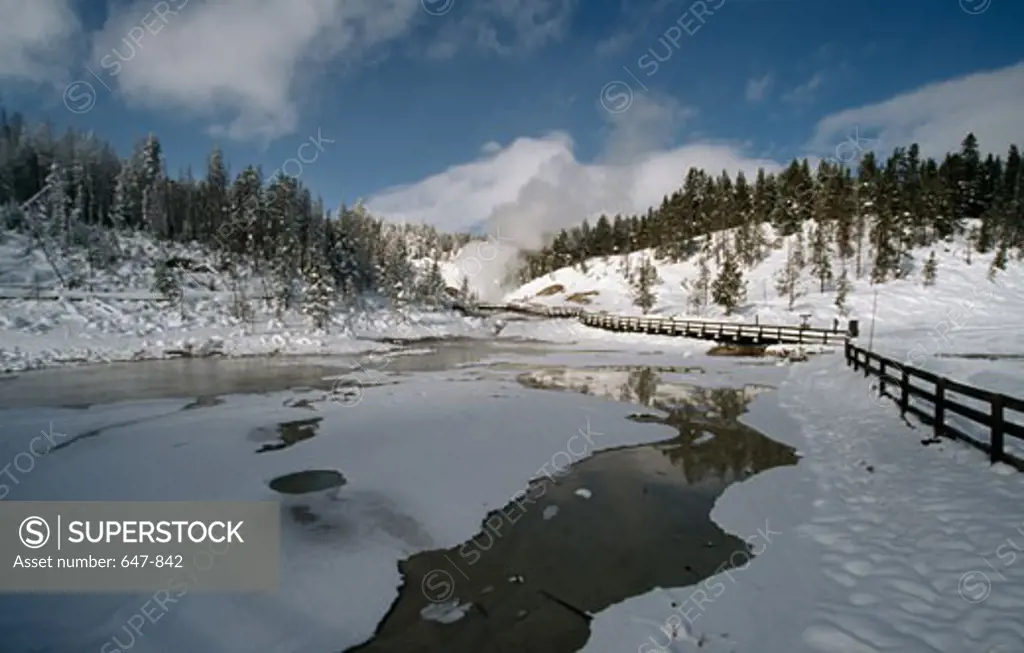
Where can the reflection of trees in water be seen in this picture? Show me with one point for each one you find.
(735, 451)
(644, 384)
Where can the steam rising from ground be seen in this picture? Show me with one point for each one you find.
(632, 174)
(487, 265)
(522, 195)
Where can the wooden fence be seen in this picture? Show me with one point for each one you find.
(707, 330)
(908, 381)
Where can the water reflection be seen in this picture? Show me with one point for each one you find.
(727, 449)
(618, 524)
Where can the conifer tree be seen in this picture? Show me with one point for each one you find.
(431, 286)
(644, 280)
(319, 298)
(787, 280)
(931, 268)
(466, 295)
(167, 284)
(700, 294)
(729, 288)
(821, 256)
(843, 288)
(999, 261)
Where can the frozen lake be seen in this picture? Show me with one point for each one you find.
(512, 488)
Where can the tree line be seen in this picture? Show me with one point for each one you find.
(841, 223)
(74, 191)
(836, 223)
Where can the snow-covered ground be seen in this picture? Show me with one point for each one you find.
(871, 543)
(927, 327)
(114, 315)
(39, 334)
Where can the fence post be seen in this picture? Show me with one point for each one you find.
(940, 407)
(867, 363)
(996, 453)
(904, 391)
(846, 353)
(881, 377)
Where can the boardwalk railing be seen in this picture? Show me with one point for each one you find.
(707, 330)
(908, 382)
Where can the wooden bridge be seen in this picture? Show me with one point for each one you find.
(730, 332)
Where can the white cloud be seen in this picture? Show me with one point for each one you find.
(246, 59)
(248, 65)
(758, 87)
(37, 39)
(937, 116)
(536, 185)
(804, 93)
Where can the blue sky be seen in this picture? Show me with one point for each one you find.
(409, 99)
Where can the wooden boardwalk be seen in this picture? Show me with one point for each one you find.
(728, 332)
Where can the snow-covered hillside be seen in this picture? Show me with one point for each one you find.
(92, 314)
(965, 313)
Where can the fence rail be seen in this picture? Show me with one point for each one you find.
(902, 377)
(707, 330)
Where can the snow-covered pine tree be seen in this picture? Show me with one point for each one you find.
(154, 183)
(729, 289)
(644, 280)
(1000, 260)
(466, 295)
(281, 207)
(319, 300)
(167, 284)
(121, 211)
(396, 271)
(843, 288)
(865, 192)
(216, 205)
(431, 286)
(58, 205)
(821, 255)
(78, 230)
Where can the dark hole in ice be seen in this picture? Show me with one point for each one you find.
(310, 480)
